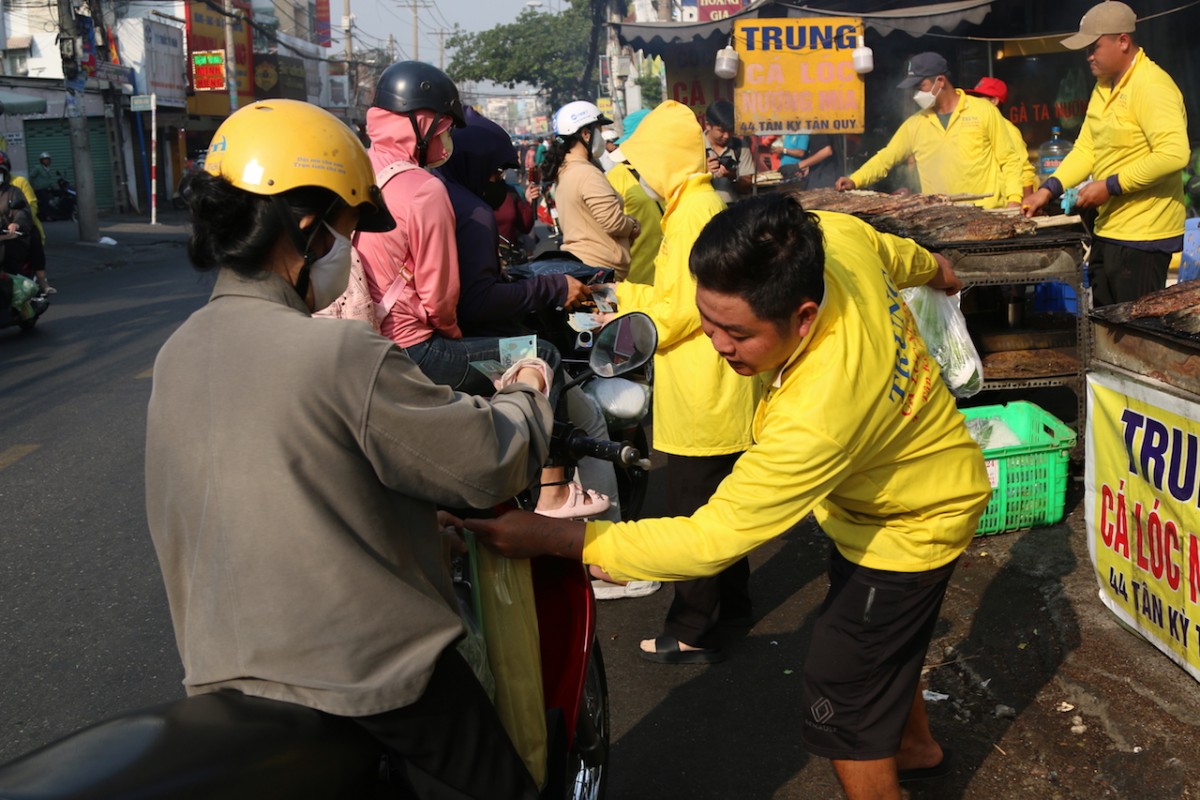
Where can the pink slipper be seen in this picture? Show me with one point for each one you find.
(581, 504)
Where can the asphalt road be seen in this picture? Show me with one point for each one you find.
(84, 630)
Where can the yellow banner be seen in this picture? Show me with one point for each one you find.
(1143, 511)
(797, 75)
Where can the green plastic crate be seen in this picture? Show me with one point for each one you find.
(1029, 481)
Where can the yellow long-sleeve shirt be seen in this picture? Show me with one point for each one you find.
(1028, 175)
(1137, 131)
(972, 154)
(858, 428)
(648, 213)
(701, 406)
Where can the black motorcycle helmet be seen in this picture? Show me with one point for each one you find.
(409, 86)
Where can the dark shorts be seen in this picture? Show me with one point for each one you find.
(864, 663)
(1119, 274)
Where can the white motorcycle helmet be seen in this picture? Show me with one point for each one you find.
(577, 115)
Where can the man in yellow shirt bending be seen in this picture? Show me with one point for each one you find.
(856, 427)
(1134, 145)
(959, 142)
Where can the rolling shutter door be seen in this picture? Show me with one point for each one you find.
(53, 136)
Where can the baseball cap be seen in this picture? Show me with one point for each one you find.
(1106, 18)
(922, 66)
(991, 87)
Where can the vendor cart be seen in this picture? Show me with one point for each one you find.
(1141, 476)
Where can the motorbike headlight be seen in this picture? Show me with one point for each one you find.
(620, 399)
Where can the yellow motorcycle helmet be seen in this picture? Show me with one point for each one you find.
(273, 146)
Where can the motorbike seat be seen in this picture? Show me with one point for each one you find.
(225, 745)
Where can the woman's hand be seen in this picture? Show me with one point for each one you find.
(577, 292)
(532, 192)
(637, 228)
(451, 528)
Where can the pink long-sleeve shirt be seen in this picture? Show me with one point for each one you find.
(422, 241)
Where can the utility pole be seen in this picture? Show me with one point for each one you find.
(74, 83)
(351, 70)
(441, 34)
(416, 32)
(230, 57)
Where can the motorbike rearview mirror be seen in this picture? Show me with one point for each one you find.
(17, 203)
(623, 345)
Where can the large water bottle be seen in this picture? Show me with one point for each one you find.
(1051, 154)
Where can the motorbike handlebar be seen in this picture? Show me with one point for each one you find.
(622, 453)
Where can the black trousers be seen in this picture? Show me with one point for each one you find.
(701, 603)
(451, 740)
(1119, 274)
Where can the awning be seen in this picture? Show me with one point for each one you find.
(655, 37)
(20, 42)
(14, 103)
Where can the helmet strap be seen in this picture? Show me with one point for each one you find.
(424, 138)
(302, 243)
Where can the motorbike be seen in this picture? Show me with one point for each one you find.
(231, 746)
(625, 403)
(60, 202)
(29, 302)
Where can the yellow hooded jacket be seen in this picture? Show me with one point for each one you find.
(972, 154)
(1137, 131)
(701, 406)
(857, 427)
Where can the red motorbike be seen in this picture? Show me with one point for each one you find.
(232, 746)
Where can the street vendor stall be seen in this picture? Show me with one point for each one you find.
(999, 249)
(1142, 479)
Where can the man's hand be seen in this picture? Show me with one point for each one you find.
(577, 292)
(1034, 204)
(843, 184)
(522, 534)
(1093, 195)
(637, 229)
(945, 279)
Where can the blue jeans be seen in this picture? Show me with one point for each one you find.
(448, 361)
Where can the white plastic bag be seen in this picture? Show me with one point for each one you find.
(945, 333)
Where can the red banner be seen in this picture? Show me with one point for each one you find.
(324, 33)
(708, 10)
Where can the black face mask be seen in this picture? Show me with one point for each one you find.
(494, 194)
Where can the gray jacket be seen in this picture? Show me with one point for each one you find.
(293, 466)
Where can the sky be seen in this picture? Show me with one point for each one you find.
(375, 19)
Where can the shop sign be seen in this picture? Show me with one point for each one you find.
(1143, 511)
(691, 81)
(208, 70)
(797, 75)
(708, 10)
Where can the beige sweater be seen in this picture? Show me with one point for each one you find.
(592, 215)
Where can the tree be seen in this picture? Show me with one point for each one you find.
(555, 52)
(652, 91)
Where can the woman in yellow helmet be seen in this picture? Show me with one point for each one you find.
(293, 465)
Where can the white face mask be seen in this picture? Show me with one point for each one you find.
(447, 145)
(597, 143)
(653, 195)
(926, 99)
(330, 274)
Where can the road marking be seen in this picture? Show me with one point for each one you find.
(15, 453)
(147, 374)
